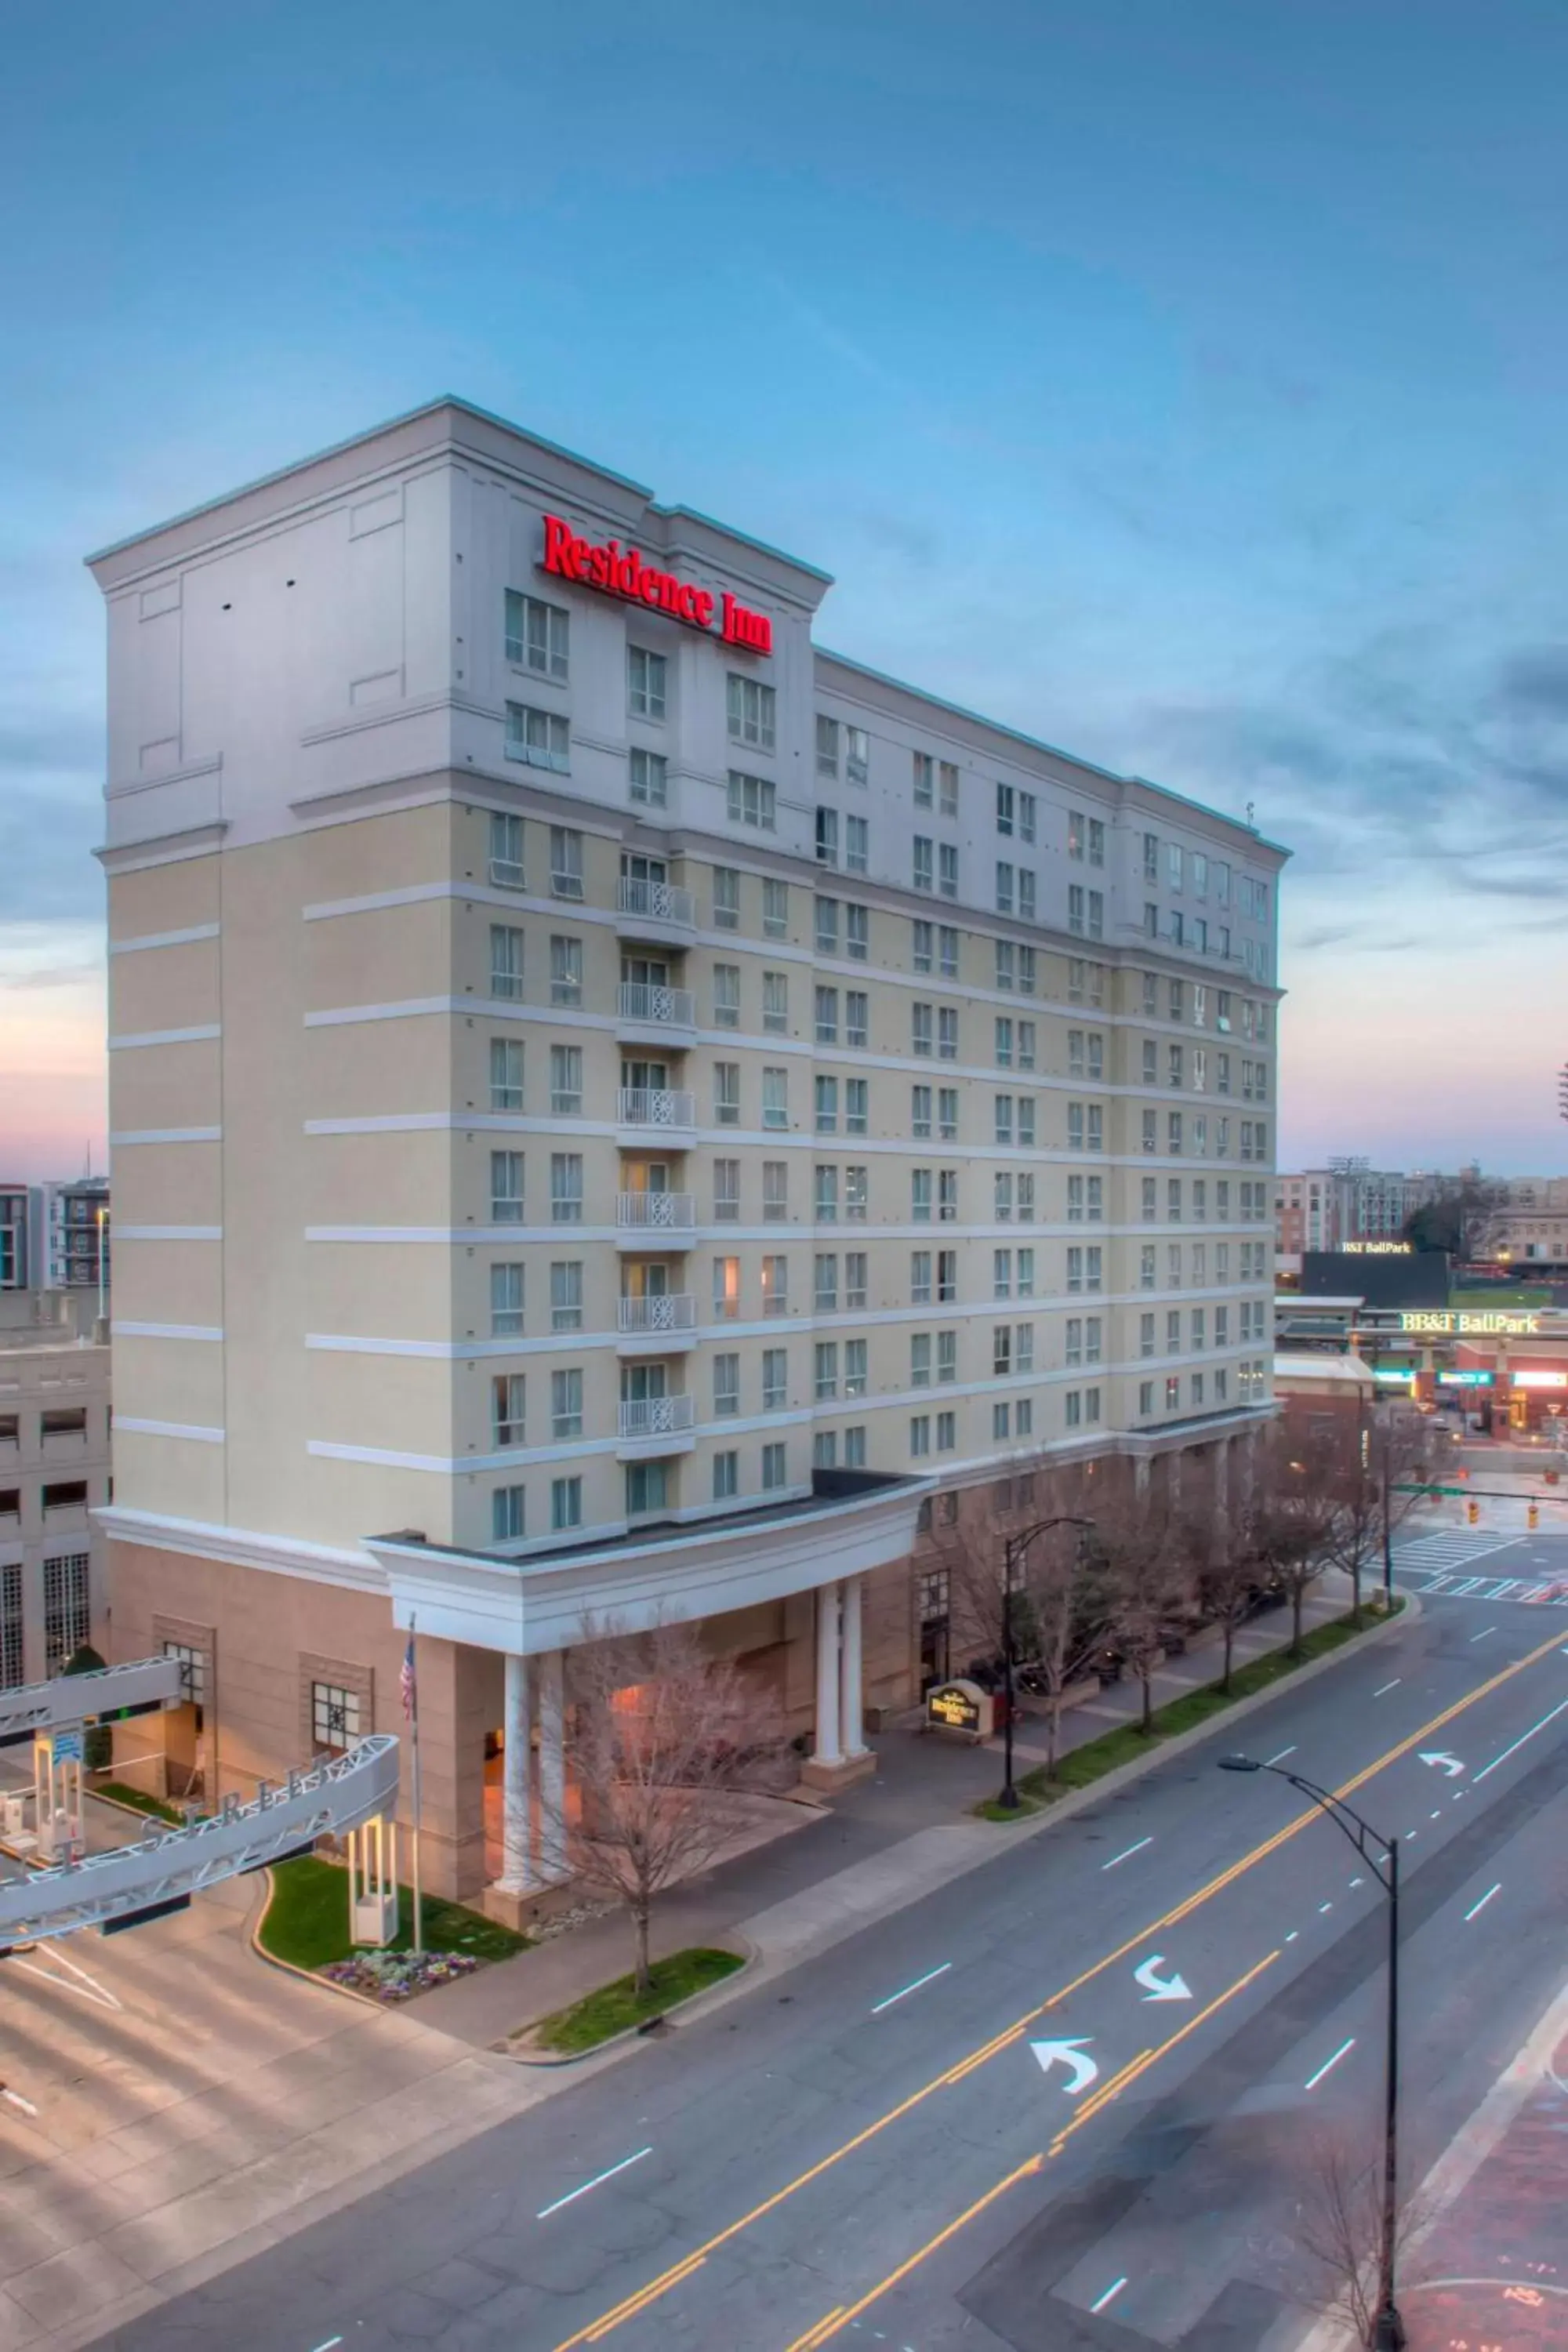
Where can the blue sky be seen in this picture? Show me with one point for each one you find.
(1184, 383)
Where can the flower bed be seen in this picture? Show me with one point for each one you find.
(397, 1976)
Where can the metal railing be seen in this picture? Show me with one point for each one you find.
(670, 1310)
(665, 1416)
(661, 902)
(657, 1106)
(661, 1212)
(665, 1007)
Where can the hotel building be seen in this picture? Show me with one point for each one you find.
(615, 1108)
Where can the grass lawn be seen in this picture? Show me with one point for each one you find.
(306, 1921)
(1502, 1294)
(119, 1792)
(616, 2006)
(1081, 1765)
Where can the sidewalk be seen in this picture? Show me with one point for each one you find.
(883, 1843)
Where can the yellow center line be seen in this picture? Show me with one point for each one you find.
(629, 2307)
(834, 2322)
(840, 2318)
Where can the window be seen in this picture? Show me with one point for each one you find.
(775, 1285)
(505, 960)
(726, 1476)
(506, 1300)
(505, 1188)
(857, 932)
(565, 971)
(537, 635)
(726, 1289)
(1004, 808)
(947, 1195)
(920, 1113)
(827, 1106)
(775, 1098)
(827, 836)
(922, 943)
(726, 1191)
(506, 1074)
(919, 1433)
(1076, 909)
(775, 1189)
(1026, 1122)
(1002, 1273)
(566, 1187)
(1097, 914)
(750, 708)
(1025, 1274)
(1002, 1352)
(947, 946)
(1149, 1207)
(565, 861)
(566, 1405)
(924, 779)
(947, 1113)
(920, 1359)
(645, 683)
(856, 1195)
(1004, 1042)
(827, 746)
(1026, 972)
(506, 1413)
(1004, 964)
(1003, 888)
(947, 869)
(1072, 1408)
(1003, 1120)
(857, 755)
(827, 1016)
(947, 788)
(1146, 1266)
(857, 845)
(919, 1195)
(947, 1033)
(726, 898)
(566, 1504)
(1027, 893)
(648, 778)
(999, 1421)
(923, 873)
(919, 1278)
(825, 1371)
(921, 1029)
(727, 1094)
(1026, 1199)
(826, 1195)
(827, 927)
(540, 738)
(335, 1710)
(857, 1009)
(946, 1277)
(506, 851)
(776, 1378)
(857, 1098)
(648, 1488)
(752, 802)
(568, 1294)
(855, 1281)
(1173, 1134)
(566, 1081)
(726, 996)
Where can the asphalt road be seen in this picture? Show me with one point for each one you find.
(873, 2150)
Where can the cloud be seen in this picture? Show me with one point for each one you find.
(1329, 936)
(59, 975)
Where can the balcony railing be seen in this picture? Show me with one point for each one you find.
(657, 1106)
(673, 1008)
(670, 1310)
(657, 1211)
(661, 902)
(665, 1416)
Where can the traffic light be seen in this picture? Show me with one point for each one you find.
(1535, 1516)
(1473, 1512)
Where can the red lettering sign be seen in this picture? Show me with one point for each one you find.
(620, 572)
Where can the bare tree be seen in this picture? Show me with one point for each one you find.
(1228, 1572)
(658, 1734)
(1147, 1578)
(1292, 1507)
(1376, 1468)
(1338, 2229)
(1070, 1601)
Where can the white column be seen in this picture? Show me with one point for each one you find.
(828, 1750)
(517, 1875)
(851, 1699)
(552, 1765)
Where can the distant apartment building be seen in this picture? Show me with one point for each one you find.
(54, 1472)
(71, 1222)
(1532, 1227)
(13, 1250)
(1348, 1200)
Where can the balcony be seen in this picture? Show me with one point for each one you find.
(646, 1219)
(670, 1112)
(654, 1426)
(655, 1325)
(654, 910)
(649, 1014)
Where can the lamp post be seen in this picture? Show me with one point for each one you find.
(1013, 1555)
(1388, 2328)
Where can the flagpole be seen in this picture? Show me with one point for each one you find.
(414, 1738)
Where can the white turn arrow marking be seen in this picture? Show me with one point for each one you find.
(1159, 1987)
(1070, 2053)
(1451, 1764)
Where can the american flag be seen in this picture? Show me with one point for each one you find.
(406, 1682)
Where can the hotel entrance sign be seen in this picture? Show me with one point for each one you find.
(617, 571)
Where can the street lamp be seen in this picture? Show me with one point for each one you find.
(1388, 2328)
(1013, 1556)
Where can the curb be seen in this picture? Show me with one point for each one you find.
(548, 2060)
(292, 1968)
(1177, 1744)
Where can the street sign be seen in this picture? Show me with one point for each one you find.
(67, 1745)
